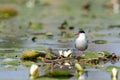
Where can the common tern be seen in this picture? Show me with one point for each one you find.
(81, 42)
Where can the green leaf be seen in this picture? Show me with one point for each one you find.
(35, 26)
(90, 54)
(103, 53)
(99, 41)
(58, 74)
(27, 63)
(10, 61)
(48, 78)
(109, 68)
(31, 55)
(49, 35)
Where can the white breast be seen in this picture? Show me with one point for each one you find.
(81, 42)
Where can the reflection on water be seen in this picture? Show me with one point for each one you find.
(83, 76)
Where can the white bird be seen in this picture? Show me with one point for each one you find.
(81, 42)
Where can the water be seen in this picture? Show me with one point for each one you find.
(15, 40)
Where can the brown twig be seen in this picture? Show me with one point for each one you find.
(57, 60)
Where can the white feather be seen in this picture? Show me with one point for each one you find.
(81, 42)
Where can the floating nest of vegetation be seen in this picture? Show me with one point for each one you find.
(51, 63)
(89, 58)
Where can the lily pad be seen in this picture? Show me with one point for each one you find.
(99, 41)
(9, 55)
(113, 26)
(90, 54)
(59, 74)
(1, 54)
(27, 63)
(109, 68)
(103, 53)
(48, 78)
(63, 40)
(7, 11)
(9, 67)
(10, 61)
(49, 35)
(12, 55)
(31, 55)
(35, 26)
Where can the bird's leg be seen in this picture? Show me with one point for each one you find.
(79, 53)
(83, 53)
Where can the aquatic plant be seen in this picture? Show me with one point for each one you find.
(49, 35)
(66, 53)
(35, 26)
(7, 11)
(99, 41)
(34, 71)
(10, 61)
(31, 55)
(52, 61)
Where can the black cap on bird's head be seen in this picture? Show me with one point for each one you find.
(81, 31)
